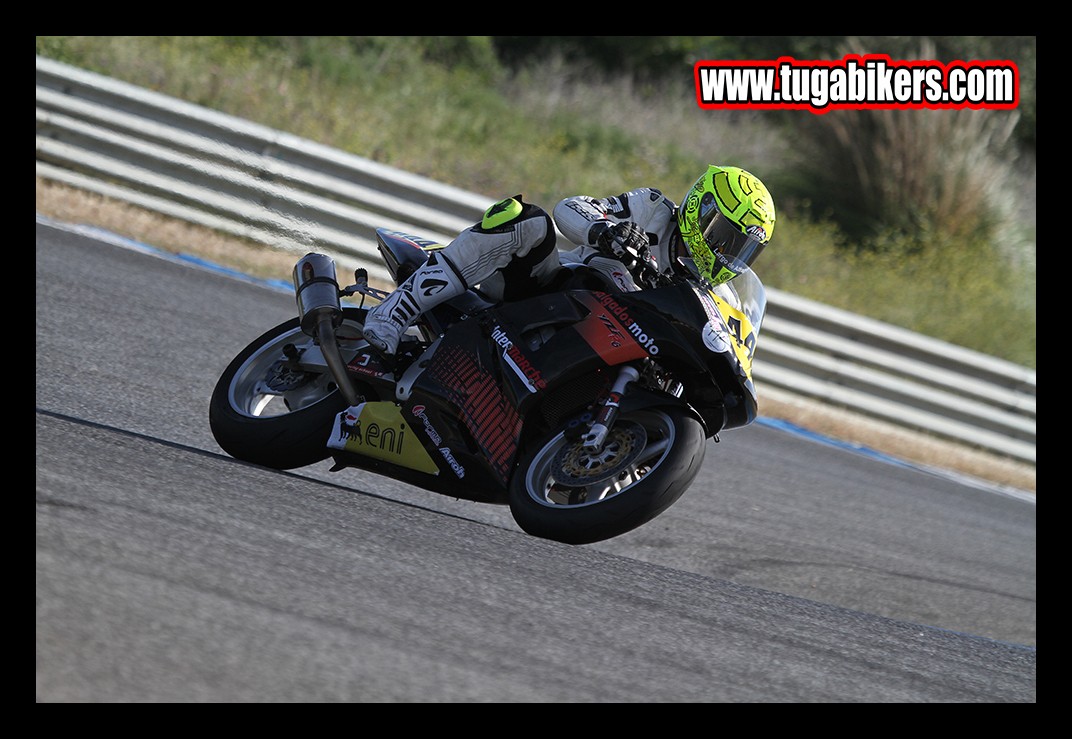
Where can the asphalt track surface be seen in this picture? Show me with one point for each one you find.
(794, 570)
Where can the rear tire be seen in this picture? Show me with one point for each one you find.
(261, 412)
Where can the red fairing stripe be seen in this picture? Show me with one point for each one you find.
(493, 422)
(607, 333)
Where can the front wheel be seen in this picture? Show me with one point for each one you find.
(564, 492)
(267, 410)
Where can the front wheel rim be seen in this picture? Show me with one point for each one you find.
(564, 475)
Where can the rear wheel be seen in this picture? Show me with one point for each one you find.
(567, 493)
(267, 411)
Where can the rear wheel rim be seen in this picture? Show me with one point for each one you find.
(266, 385)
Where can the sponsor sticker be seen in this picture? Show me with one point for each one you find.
(715, 338)
(376, 429)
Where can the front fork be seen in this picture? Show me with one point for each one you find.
(608, 410)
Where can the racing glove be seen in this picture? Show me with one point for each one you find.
(623, 241)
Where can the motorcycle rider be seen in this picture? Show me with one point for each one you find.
(724, 222)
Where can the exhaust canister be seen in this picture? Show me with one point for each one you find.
(317, 291)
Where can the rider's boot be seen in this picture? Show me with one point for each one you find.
(433, 283)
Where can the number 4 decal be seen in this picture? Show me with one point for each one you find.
(749, 342)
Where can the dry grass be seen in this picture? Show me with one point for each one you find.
(898, 442)
(76, 206)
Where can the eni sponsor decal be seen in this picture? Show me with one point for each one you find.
(376, 429)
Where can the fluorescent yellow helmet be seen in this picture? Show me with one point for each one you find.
(726, 219)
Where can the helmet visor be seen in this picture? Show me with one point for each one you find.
(727, 242)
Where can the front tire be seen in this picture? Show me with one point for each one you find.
(565, 493)
(263, 411)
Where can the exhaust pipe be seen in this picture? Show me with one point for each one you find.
(317, 292)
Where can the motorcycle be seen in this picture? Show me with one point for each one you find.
(585, 409)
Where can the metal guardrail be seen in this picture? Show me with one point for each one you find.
(241, 178)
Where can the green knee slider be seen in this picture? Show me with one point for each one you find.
(502, 213)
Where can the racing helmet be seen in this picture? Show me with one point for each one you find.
(725, 221)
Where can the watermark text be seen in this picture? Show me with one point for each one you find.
(871, 81)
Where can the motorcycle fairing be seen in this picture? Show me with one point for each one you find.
(489, 371)
(493, 370)
(729, 328)
(376, 429)
(610, 331)
(463, 385)
(705, 347)
(483, 377)
(403, 252)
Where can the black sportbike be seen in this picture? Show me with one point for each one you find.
(585, 409)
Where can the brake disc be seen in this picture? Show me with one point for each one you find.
(575, 466)
(282, 377)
